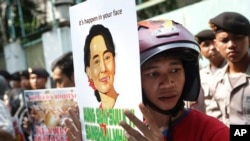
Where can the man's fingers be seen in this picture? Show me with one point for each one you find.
(75, 119)
(148, 117)
(77, 111)
(70, 127)
(138, 123)
(74, 132)
(153, 133)
(70, 135)
(131, 134)
(129, 137)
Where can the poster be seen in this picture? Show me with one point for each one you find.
(107, 66)
(47, 110)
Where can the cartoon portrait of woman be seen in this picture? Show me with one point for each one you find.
(99, 61)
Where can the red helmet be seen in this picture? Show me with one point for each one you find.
(156, 36)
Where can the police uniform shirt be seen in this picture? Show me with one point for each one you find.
(232, 92)
(207, 76)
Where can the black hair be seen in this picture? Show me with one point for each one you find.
(94, 31)
(65, 63)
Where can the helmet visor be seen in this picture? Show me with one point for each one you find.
(152, 52)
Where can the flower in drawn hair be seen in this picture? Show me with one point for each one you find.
(91, 84)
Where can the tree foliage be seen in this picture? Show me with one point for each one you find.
(20, 18)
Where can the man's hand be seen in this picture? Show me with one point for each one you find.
(74, 132)
(150, 132)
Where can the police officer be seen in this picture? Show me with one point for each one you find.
(24, 80)
(15, 80)
(232, 90)
(207, 73)
(38, 78)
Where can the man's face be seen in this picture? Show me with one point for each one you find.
(37, 82)
(231, 46)
(15, 84)
(209, 51)
(102, 65)
(25, 84)
(163, 80)
(61, 80)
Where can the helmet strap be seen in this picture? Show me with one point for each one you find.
(170, 129)
(172, 113)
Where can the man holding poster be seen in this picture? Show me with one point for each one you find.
(106, 64)
(169, 75)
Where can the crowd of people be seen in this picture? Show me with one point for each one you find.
(12, 88)
(177, 93)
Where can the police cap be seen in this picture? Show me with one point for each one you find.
(205, 34)
(38, 71)
(24, 73)
(15, 76)
(231, 22)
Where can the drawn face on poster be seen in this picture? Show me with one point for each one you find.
(99, 59)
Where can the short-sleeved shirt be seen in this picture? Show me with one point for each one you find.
(207, 77)
(232, 93)
(194, 125)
